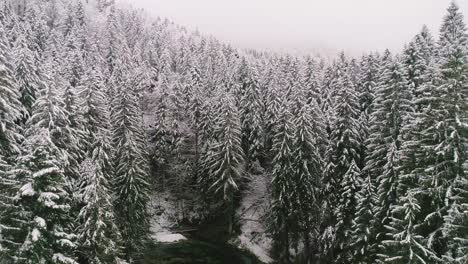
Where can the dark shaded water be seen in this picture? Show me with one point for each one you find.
(197, 252)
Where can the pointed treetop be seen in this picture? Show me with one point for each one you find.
(453, 29)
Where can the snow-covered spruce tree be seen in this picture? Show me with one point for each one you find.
(421, 72)
(26, 73)
(250, 111)
(456, 223)
(366, 84)
(130, 161)
(104, 4)
(453, 52)
(311, 79)
(271, 106)
(193, 103)
(342, 153)
(114, 38)
(407, 245)
(346, 212)
(437, 151)
(10, 106)
(10, 136)
(93, 105)
(363, 242)
(6, 205)
(401, 237)
(72, 75)
(392, 108)
(226, 163)
(35, 17)
(415, 59)
(98, 235)
(362, 227)
(282, 185)
(10, 213)
(165, 128)
(309, 140)
(43, 201)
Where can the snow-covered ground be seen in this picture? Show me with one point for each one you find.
(168, 238)
(253, 207)
(164, 216)
(163, 212)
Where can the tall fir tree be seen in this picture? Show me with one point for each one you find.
(10, 106)
(437, 151)
(282, 186)
(308, 165)
(227, 158)
(10, 137)
(98, 235)
(342, 154)
(250, 110)
(44, 202)
(130, 161)
(392, 108)
(26, 73)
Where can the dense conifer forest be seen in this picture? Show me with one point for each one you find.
(105, 110)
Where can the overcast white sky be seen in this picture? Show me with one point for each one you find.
(301, 26)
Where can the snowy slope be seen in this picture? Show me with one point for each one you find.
(251, 212)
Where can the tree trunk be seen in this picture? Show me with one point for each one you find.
(230, 214)
(306, 248)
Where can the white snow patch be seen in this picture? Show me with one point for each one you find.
(27, 190)
(35, 234)
(168, 238)
(40, 222)
(60, 258)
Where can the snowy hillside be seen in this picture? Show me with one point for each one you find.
(124, 135)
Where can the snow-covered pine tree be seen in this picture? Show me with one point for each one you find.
(406, 244)
(35, 17)
(367, 81)
(10, 137)
(401, 235)
(26, 72)
(282, 184)
(130, 161)
(343, 151)
(433, 158)
(363, 242)
(451, 181)
(311, 79)
(309, 140)
(10, 213)
(43, 200)
(98, 235)
(193, 102)
(421, 72)
(94, 105)
(392, 108)
(346, 211)
(51, 114)
(10, 106)
(250, 111)
(104, 4)
(226, 163)
(416, 57)
(271, 105)
(114, 38)
(456, 223)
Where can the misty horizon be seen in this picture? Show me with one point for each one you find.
(303, 27)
